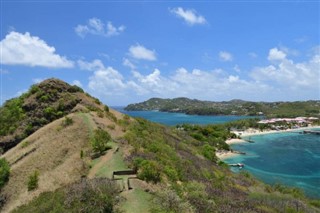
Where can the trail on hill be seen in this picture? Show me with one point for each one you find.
(102, 161)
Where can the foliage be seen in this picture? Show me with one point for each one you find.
(95, 195)
(4, 172)
(233, 107)
(100, 140)
(11, 113)
(149, 171)
(67, 121)
(168, 201)
(33, 181)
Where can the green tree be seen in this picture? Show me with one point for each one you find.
(100, 140)
(4, 172)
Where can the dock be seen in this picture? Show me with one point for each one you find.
(315, 132)
(240, 165)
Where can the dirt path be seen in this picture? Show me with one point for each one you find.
(93, 171)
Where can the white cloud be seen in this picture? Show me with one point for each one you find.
(24, 49)
(189, 16)
(237, 68)
(287, 73)
(126, 62)
(225, 56)
(91, 66)
(285, 80)
(96, 27)
(77, 83)
(107, 81)
(275, 55)
(140, 52)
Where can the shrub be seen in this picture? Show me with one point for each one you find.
(106, 108)
(33, 181)
(149, 171)
(4, 172)
(67, 121)
(100, 140)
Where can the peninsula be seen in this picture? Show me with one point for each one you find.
(233, 107)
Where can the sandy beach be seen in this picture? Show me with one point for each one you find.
(251, 132)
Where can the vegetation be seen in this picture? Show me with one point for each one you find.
(42, 104)
(233, 107)
(4, 172)
(10, 115)
(96, 195)
(184, 158)
(100, 140)
(33, 181)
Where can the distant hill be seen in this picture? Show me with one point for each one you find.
(233, 107)
(81, 156)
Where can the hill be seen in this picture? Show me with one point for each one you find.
(94, 159)
(233, 107)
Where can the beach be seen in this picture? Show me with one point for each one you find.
(223, 154)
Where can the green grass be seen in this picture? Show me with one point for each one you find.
(137, 201)
(114, 164)
(86, 120)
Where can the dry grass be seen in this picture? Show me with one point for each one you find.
(57, 158)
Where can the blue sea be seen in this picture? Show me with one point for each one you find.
(289, 158)
(171, 119)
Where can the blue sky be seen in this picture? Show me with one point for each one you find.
(126, 52)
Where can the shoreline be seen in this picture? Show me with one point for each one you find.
(253, 132)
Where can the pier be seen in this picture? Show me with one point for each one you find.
(315, 132)
(240, 165)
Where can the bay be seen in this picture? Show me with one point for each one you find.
(171, 119)
(289, 158)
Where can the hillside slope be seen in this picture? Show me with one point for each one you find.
(170, 169)
(233, 107)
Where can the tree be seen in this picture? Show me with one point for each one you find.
(100, 140)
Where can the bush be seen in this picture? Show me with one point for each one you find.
(149, 171)
(4, 172)
(106, 108)
(100, 140)
(67, 121)
(33, 181)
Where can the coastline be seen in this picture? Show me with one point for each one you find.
(252, 132)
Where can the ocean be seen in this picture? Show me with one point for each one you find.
(172, 119)
(287, 158)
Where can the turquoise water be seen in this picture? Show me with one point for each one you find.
(291, 159)
(172, 119)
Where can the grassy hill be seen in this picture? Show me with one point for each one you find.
(233, 107)
(70, 161)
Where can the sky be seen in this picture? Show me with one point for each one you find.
(129, 51)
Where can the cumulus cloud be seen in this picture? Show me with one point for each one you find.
(107, 81)
(140, 52)
(275, 54)
(269, 83)
(225, 56)
(289, 74)
(91, 66)
(95, 26)
(189, 16)
(24, 49)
